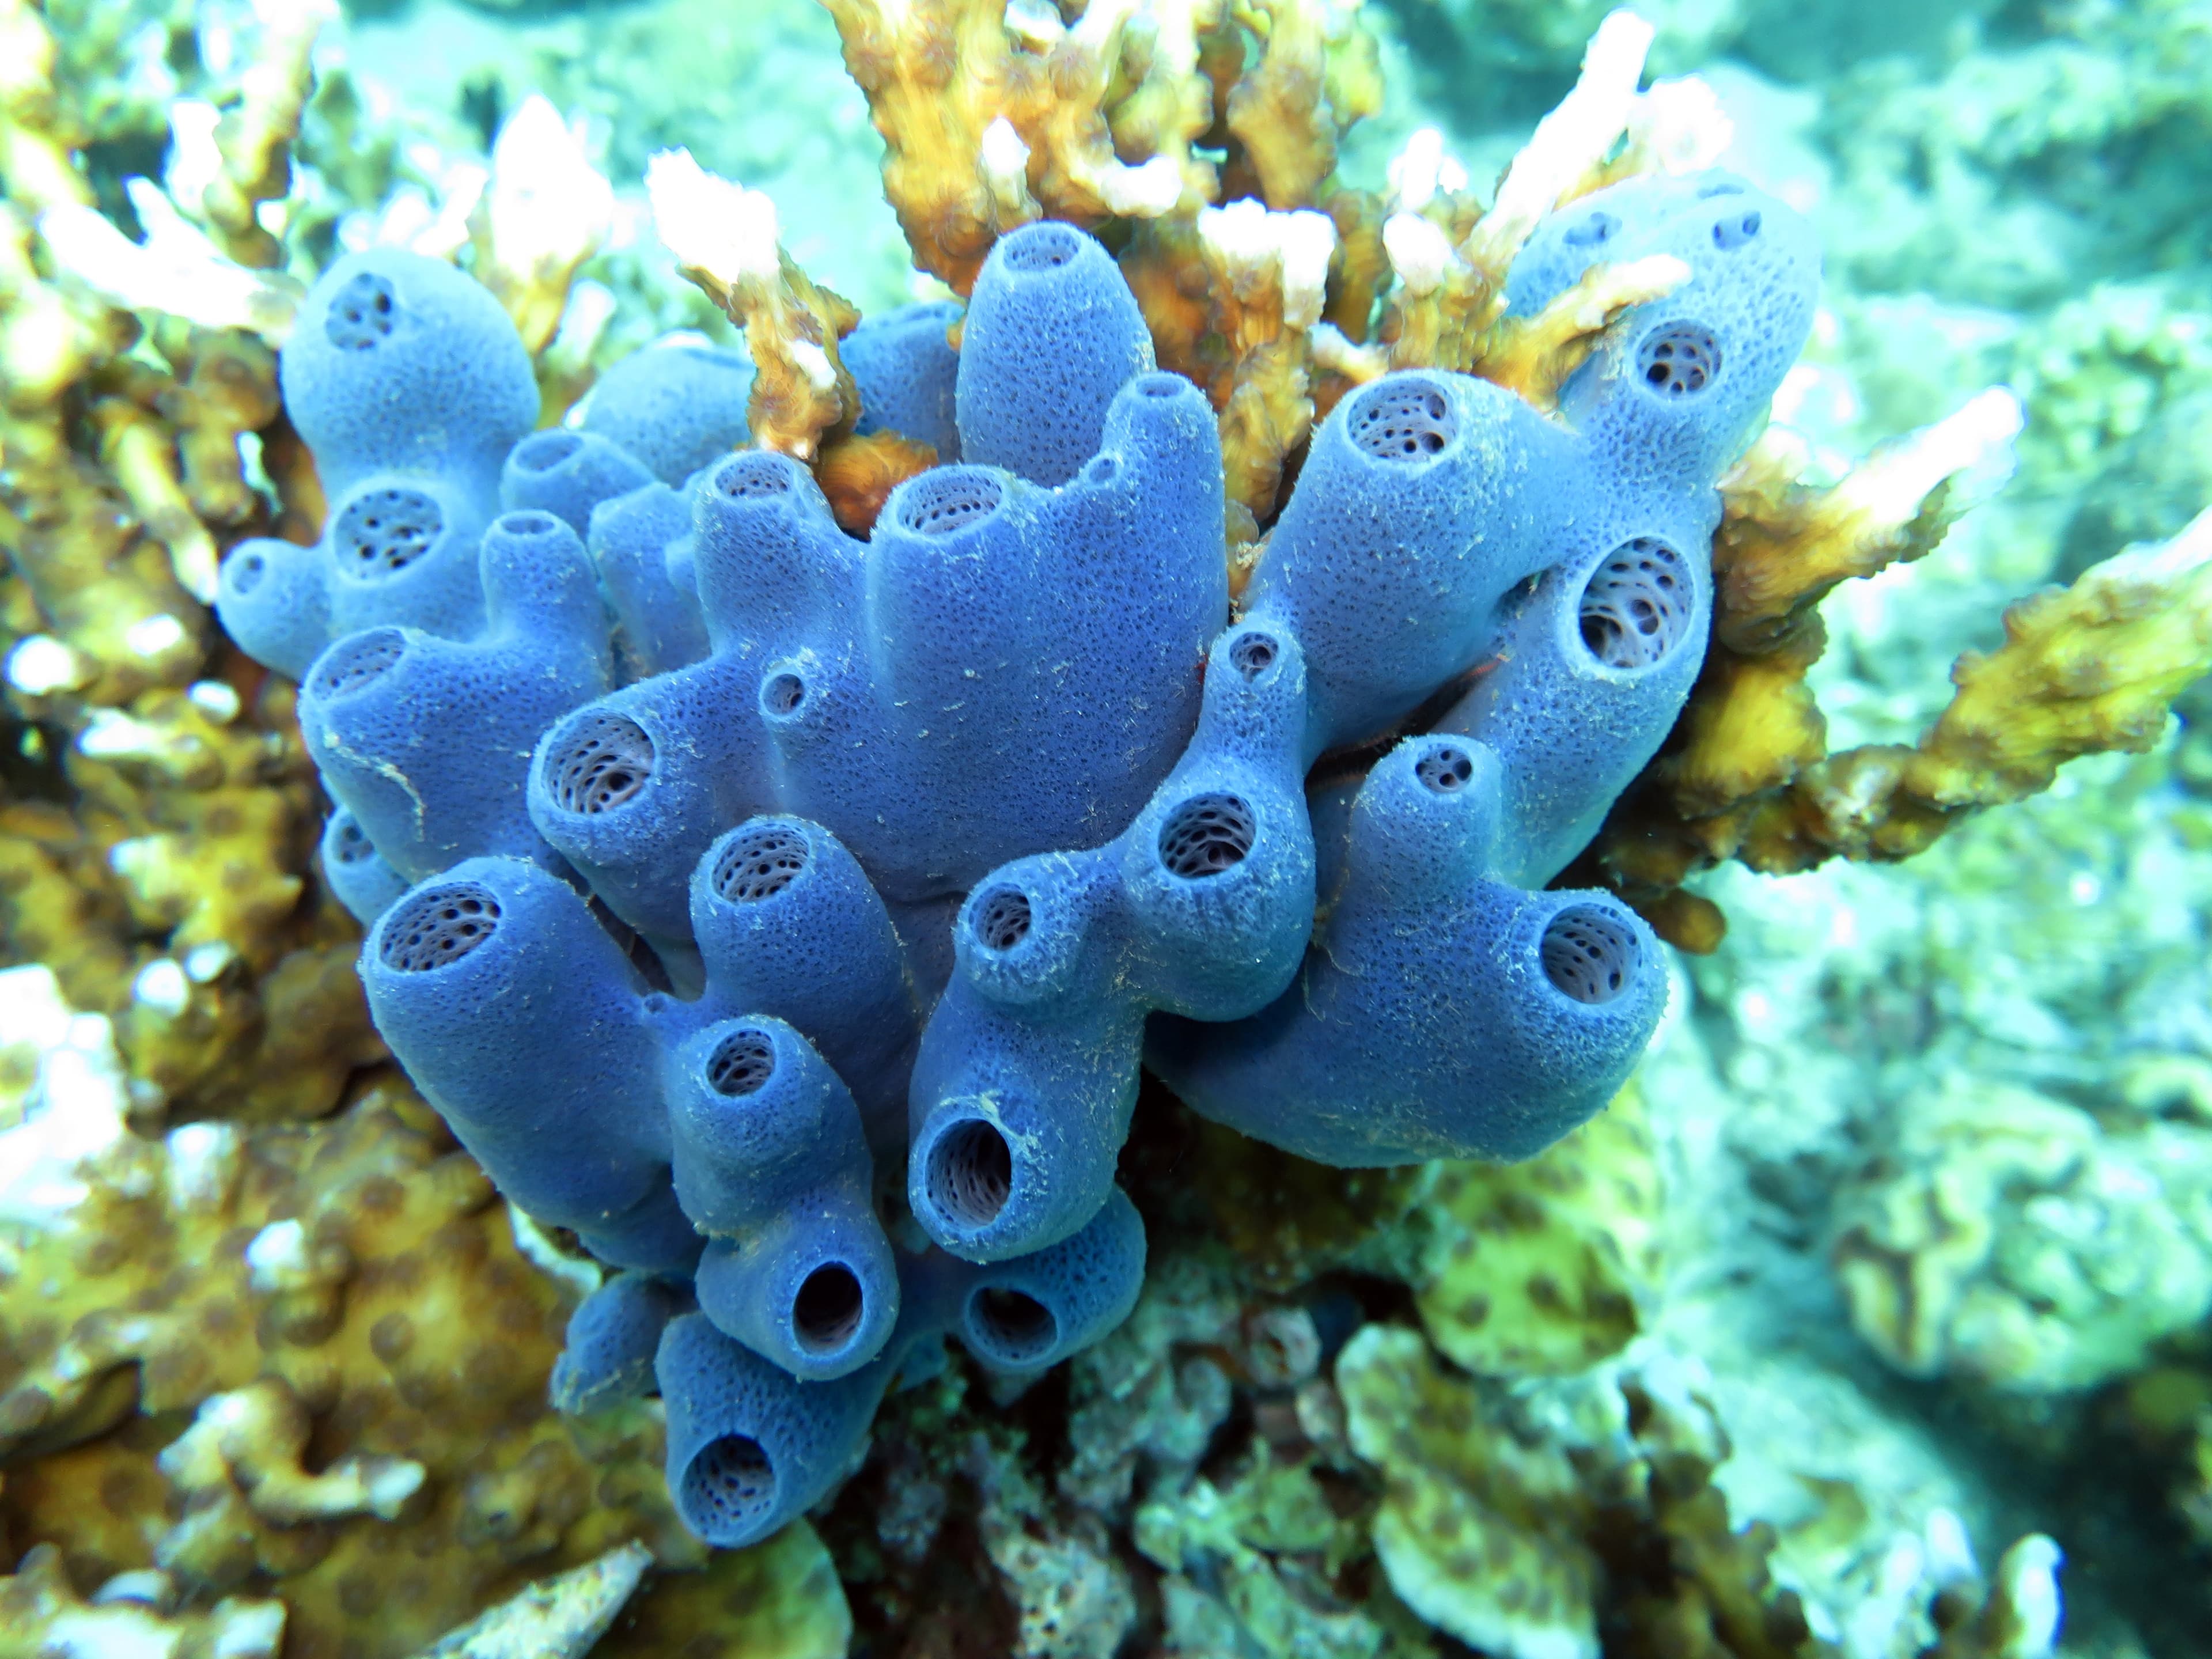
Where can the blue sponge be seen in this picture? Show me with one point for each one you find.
(612, 1339)
(675, 407)
(273, 598)
(633, 540)
(751, 1447)
(382, 332)
(567, 474)
(759, 866)
(385, 332)
(906, 369)
(356, 870)
(771, 1165)
(1052, 334)
(1007, 668)
(426, 740)
(1028, 1072)
(788, 925)
(1441, 1013)
(522, 1021)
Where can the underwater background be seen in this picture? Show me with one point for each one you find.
(1873, 1319)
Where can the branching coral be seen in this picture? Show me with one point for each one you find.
(724, 239)
(2087, 669)
(990, 121)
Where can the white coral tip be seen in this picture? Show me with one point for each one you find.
(1005, 159)
(711, 224)
(547, 201)
(1680, 126)
(1417, 172)
(1418, 252)
(1142, 192)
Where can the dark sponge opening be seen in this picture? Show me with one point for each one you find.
(1161, 383)
(1589, 954)
(358, 660)
(753, 475)
(758, 864)
(242, 572)
(1446, 771)
(1636, 605)
(728, 1486)
(382, 531)
(971, 1174)
(1016, 1327)
(1206, 835)
(541, 452)
(1002, 919)
(362, 314)
(1589, 232)
(600, 762)
(1402, 420)
(742, 1064)
(527, 521)
(828, 1308)
(781, 693)
(1679, 360)
(1253, 654)
(1101, 469)
(1046, 244)
(1736, 230)
(350, 842)
(948, 498)
(431, 929)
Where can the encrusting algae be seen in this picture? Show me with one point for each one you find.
(304, 1408)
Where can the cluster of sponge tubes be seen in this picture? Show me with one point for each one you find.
(722, 867)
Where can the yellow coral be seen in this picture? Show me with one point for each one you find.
(41, 1614)
(346, 1306)
(1481, 1533)
(254, 139)
(724, 239)
(1746, 773)
(1546, 1267)
(939, 74)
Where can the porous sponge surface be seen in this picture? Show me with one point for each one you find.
(721, 862)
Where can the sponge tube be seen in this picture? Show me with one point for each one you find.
(518, 1018)
(422, 739)
(1052, 332)
(1440, 1013)
(788, 925)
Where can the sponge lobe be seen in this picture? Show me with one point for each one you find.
(1051, 334)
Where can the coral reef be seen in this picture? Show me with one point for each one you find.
(1025, 1070)
(679, 635)
(2011, 1239)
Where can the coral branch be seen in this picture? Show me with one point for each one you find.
(546, 211)
(255, 139)
(940, 75)
(723, 238)
(2084, 669)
